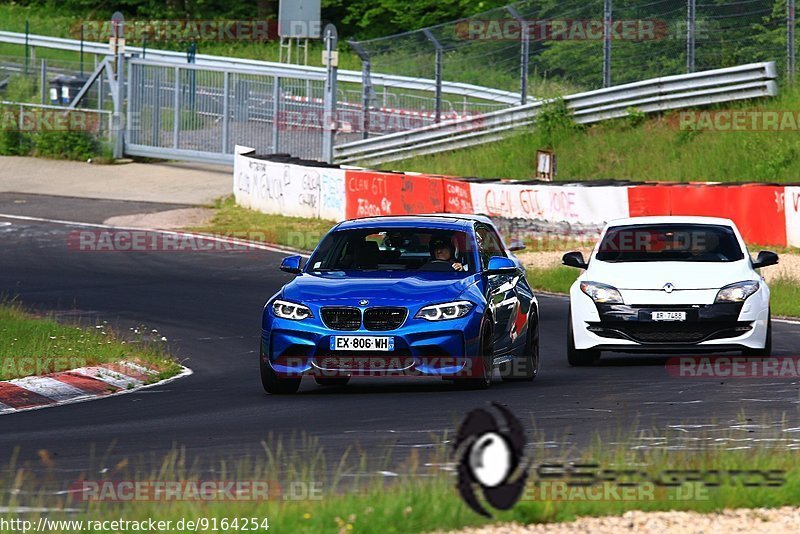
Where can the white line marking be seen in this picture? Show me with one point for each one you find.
(138, 368)
(50, 388)
(109, 377)
(251, 244)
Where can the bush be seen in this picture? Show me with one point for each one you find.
(73, 145)
(20, 89)
(12, 141)
(554, 121)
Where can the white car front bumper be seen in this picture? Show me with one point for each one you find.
(708, 326)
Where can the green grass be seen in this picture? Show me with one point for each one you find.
(785, 298)
(39, 344)
(423, 498)
(555, 280)
(654, 149)
(294, 232)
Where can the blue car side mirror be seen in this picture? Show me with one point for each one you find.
(291, 264)
(501, 265)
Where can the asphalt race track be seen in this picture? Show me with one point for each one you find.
(208, 305)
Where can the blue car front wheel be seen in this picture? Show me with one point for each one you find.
(275, 384)
(483, 363)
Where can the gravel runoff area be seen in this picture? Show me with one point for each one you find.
(751, 521)
(165, 220)
(789, 266)
(170, 182)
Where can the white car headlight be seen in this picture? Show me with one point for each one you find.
(290, 310)
(602, 293)
(738, 292)
(448, 310)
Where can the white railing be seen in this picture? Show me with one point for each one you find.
(648, 96)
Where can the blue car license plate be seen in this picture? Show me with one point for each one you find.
(373, 343)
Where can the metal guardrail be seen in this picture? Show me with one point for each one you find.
(658, 94)
(279, 69)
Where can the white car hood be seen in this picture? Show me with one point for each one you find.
(681, 274)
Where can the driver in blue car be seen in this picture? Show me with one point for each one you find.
(443, 250)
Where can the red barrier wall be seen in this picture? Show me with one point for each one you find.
(756, 209)
(646, 200)
(759, 213)
(370, 193)
(457, 196)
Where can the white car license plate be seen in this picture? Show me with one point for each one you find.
(669, 316)
(376, 343)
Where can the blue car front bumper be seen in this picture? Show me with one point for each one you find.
(420, 347)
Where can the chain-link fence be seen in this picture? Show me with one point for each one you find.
(51, 81)
(174, 108)
(545, 48)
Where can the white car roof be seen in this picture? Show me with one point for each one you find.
(675, 219)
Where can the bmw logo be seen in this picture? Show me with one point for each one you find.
(363, 302)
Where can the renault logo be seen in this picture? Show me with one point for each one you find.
(363, 302)
(668, 287)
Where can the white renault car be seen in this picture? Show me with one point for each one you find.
(669, 284)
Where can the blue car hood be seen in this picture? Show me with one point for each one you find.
(429, 287)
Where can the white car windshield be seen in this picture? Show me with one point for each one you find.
(670, 242)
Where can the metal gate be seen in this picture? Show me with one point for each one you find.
(199, 113)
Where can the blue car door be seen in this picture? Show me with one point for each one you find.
(501, 288)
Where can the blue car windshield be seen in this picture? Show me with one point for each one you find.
(395, 249)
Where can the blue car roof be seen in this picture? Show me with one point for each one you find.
(439, 222)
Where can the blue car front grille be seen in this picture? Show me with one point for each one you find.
(341, 318)
(384, 318)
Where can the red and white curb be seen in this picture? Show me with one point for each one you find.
(78, 385)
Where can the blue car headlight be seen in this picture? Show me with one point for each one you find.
(290, 310)
(447, 310)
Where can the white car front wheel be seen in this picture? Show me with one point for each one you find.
(577, 357)
(767, 350)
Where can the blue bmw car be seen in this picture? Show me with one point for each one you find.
(425, 295)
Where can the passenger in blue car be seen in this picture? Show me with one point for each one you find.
(442, 250)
